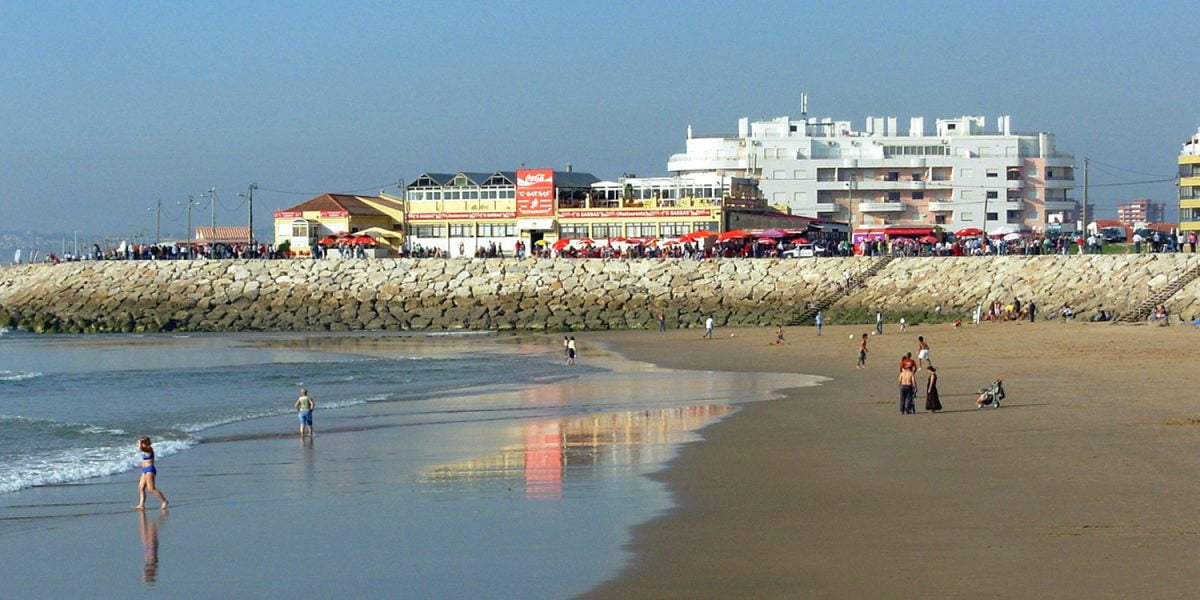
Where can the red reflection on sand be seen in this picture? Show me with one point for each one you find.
(543, 460)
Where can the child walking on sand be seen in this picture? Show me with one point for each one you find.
(862, 353)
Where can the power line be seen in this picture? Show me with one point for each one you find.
(1097, 162)
(358, 191)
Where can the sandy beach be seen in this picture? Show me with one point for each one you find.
(1080, 486)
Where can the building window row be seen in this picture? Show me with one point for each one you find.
(940, 150)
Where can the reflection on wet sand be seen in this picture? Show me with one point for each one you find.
(543, 451)
(149, 530)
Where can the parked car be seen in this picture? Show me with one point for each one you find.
(803, 251)
(1113, 235)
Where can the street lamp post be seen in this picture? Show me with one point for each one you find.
(249, 196)
(212, 199)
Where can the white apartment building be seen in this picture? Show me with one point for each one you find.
(960, 177)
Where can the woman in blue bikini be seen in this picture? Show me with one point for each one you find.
(146, 482)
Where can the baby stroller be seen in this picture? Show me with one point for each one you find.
(991, 395)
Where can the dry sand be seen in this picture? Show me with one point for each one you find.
(1080, 486)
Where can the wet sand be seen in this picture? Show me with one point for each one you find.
(1080, 486)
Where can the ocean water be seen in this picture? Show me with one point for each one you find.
(71, 406)
(450, 466)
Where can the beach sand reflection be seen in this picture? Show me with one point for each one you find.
(149, 531)
(543, 453)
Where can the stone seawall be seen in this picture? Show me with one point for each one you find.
(542, 294)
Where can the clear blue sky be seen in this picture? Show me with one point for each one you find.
(107, 107)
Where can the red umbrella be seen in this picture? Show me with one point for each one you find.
(968, 232)
(560, 243)
(800, 240)
(765, 240)
(672, 243)
(772, 233)
(617, 239)
(928, 239)
(695, 235)
(327, 240)
(732, 235)
(362, 240)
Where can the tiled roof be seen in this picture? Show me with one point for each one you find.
(351, 204)
(223, 235)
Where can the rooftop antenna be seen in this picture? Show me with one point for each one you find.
(803, 105)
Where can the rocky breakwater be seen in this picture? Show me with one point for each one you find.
(401, 294)
(915, 287)
(543, 294)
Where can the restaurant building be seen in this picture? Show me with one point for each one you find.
(332, 215)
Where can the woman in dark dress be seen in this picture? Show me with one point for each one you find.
(932, 403)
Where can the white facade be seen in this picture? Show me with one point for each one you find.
(962, 176)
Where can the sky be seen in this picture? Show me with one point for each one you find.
(107, 108)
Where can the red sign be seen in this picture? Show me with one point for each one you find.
(465, 216)
(635, 214)
(535, 193)
(333, 214)
(288, 214)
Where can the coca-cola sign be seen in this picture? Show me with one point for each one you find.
(535, 193)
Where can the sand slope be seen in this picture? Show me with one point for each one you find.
(1081, 485)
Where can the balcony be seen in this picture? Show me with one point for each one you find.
(936, 206)
(827, 207)
(1059, 184)
(1054, 205)
(881, 206)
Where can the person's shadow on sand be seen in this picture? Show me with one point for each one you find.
(149, 530)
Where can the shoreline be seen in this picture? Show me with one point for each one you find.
(1079, 483)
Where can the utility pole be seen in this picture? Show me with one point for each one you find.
(189, 224)
(212, 199)
(1083, 217)
(250, 201)
(158, 221)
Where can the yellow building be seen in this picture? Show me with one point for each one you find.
(331, 215)
(1189, 185)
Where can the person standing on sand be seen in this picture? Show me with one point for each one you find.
(878, 322)
(862, 353)
(820, 321)
(566, 350)
(908, 391)
(1032, 311)
(146, 481)
(304, 410)
(922, 352)
(932, 402)
(571, 351)
(903, 324)
(779, 334)
(662, 322)
(708, 327)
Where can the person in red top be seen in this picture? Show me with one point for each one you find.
(907, 363)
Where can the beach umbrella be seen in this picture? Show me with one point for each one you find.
(772, 233)
(672, 243)
(968, 232)
(561, 243)
(800, 240)
(327, 240)
(696, 235)
(540, 243)
(1012, 236)
(584, 241)
(617, 240)
(927, 239)
(765, 240)
(363, 240)
(732, 235)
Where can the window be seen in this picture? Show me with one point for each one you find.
(462, 230)
(993, 194)
(799, 174)
(893, 196)
(968, 194)
(606, 230)
(300, 230)
(573, 230)
(939, 219)
(993, 173)
(993, 216)
(918, 195)
(428, 231)
(1033, 171)
(674, 229)
(968, 216)
(497, 229)
(777, 175)
(1032, 215)
(641, 230)
(967, 173)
